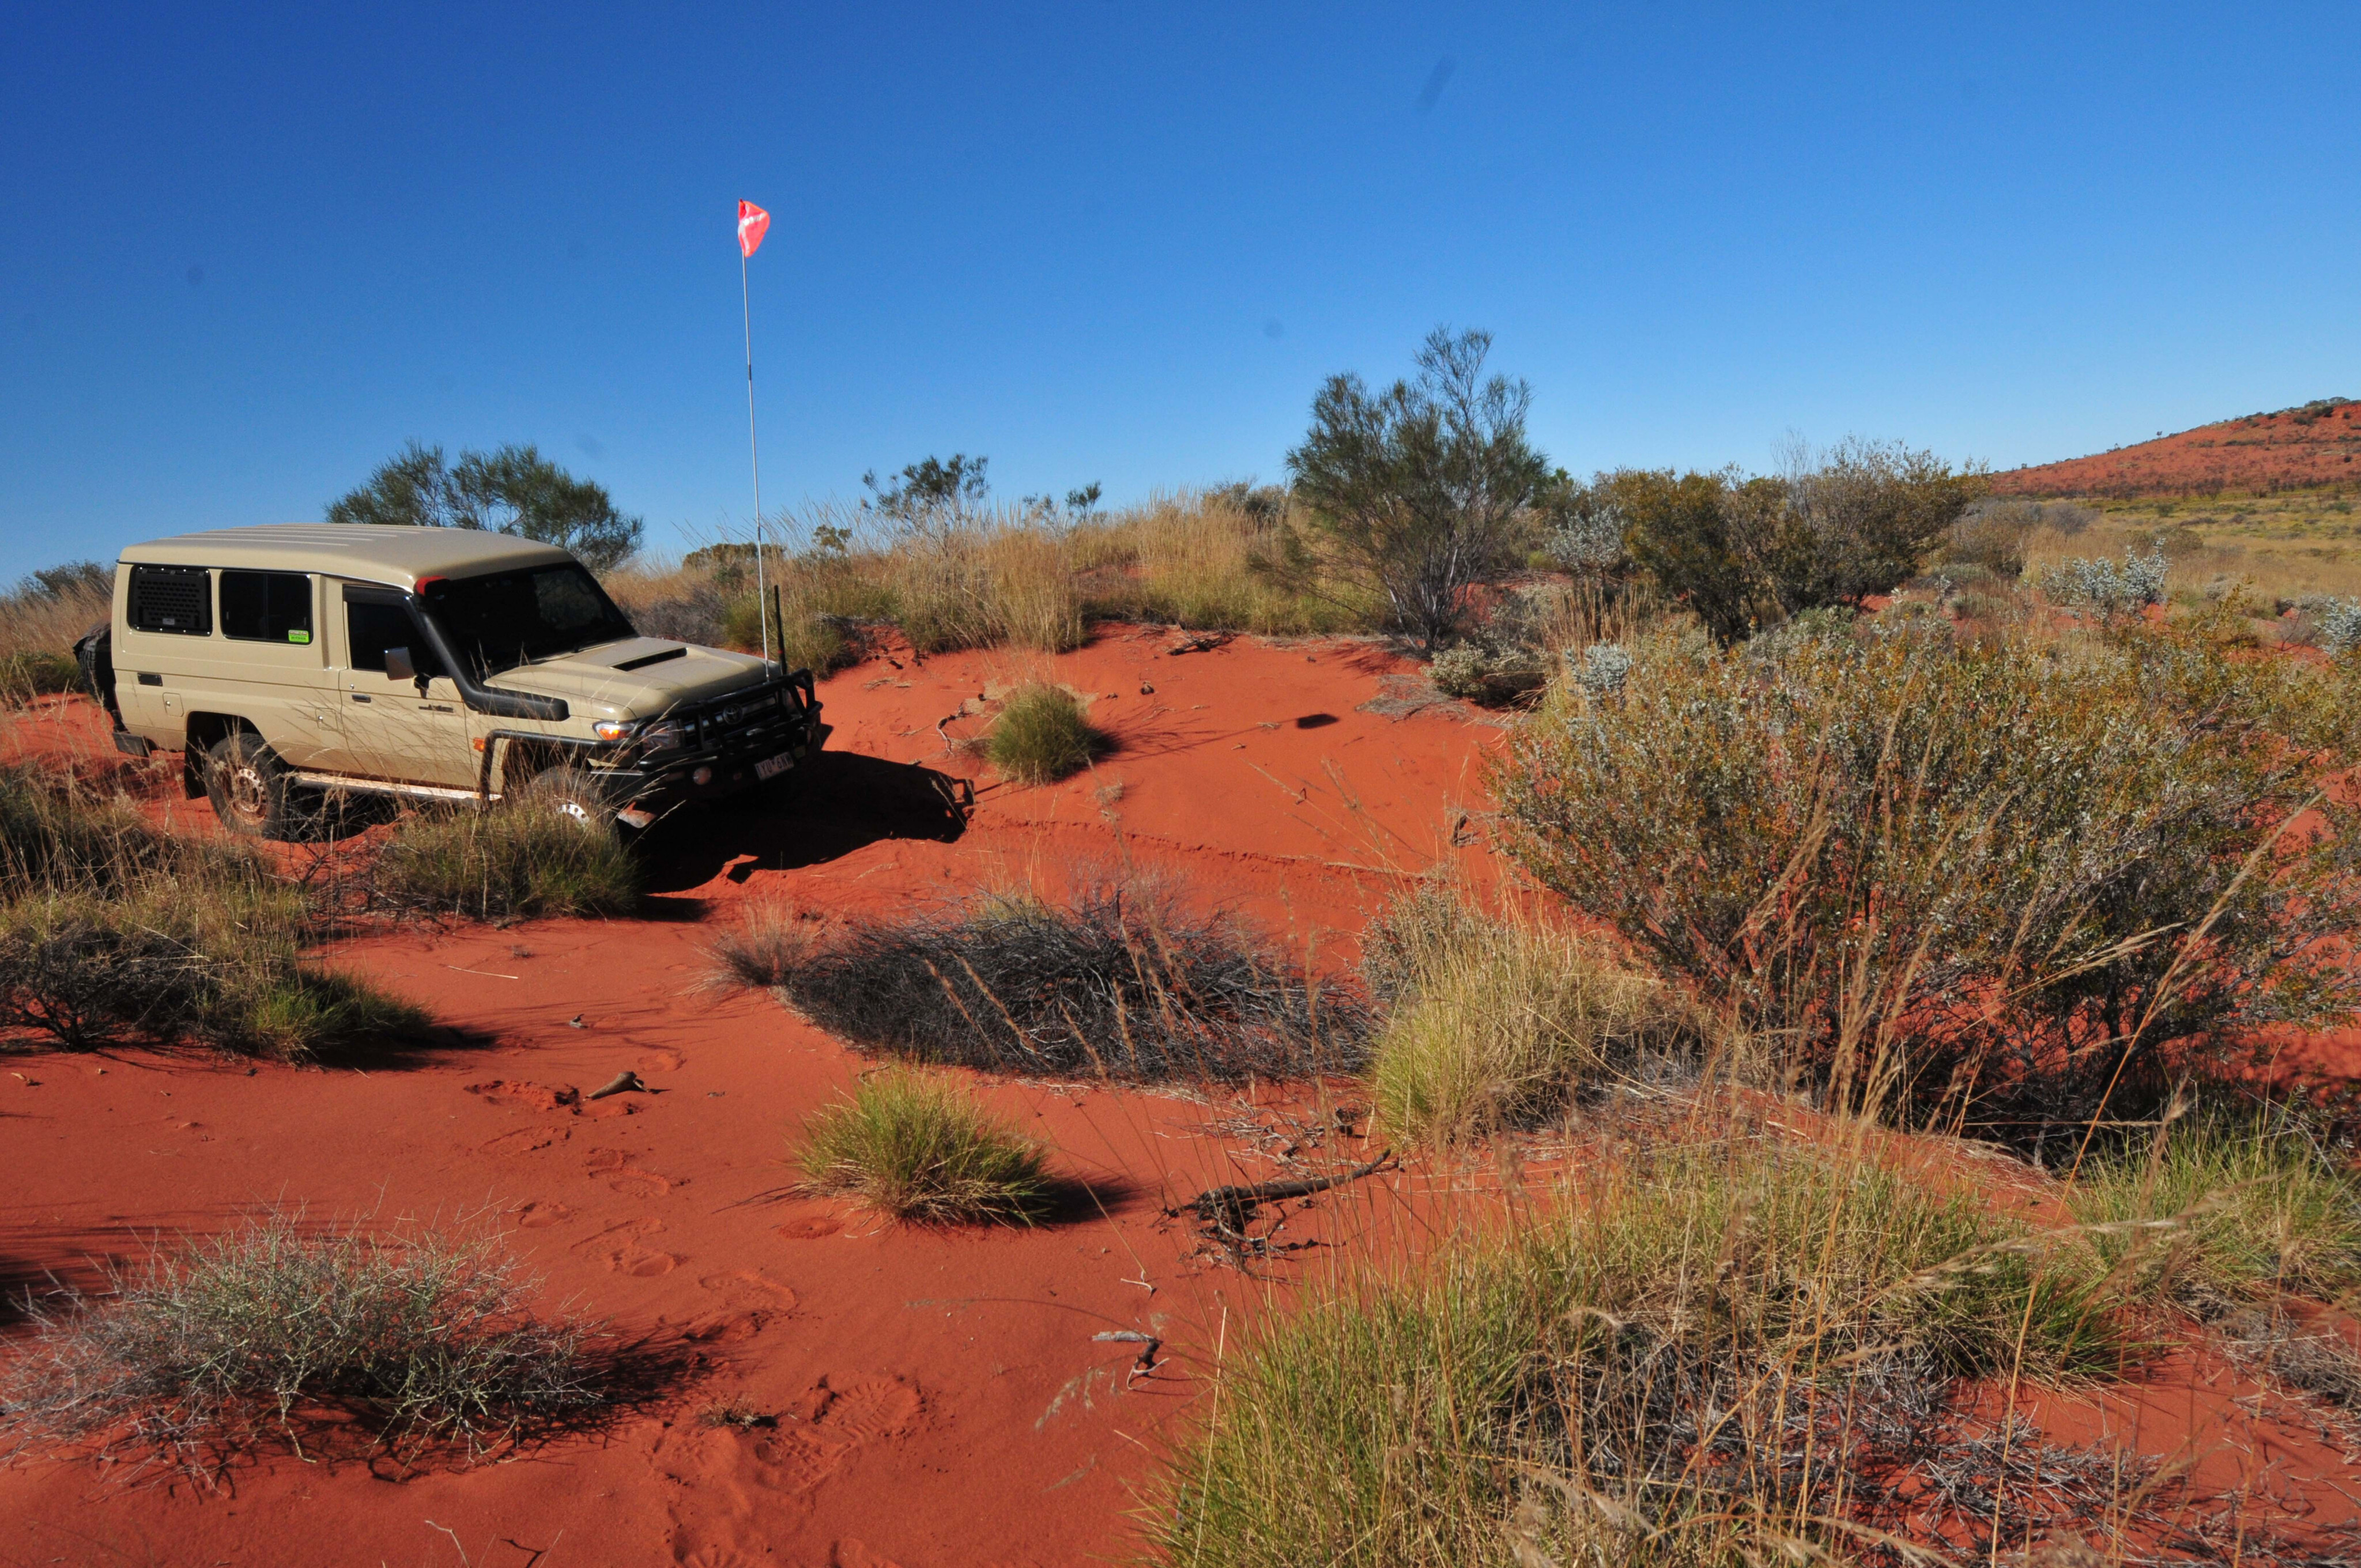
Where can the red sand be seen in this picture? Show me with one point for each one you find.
(2287, 450)
(938, 1397)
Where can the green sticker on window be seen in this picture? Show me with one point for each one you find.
(299, 637)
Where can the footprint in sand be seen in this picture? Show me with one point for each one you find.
(627, 1178)
(865, 1409)
(750, 1287)
(620, 1241)
(643, 1263)
(616, 1233)
(712, 1512)
(724, 1328)
(526, 1096)
(751, 1299)
(795, 1461)
(843, 1417)
(809, 1230)
(662, 1058)
(714, 1555)
(539, 1215)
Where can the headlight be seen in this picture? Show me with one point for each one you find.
(661, 738)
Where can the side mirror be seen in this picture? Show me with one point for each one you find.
(398, 666)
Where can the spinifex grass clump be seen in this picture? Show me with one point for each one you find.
(2221, 1209)
(919, 1148)
(1500, 1021)
(42, 615)
(276, 1331)
(111, 930)
(1124, 981)
(58, 835)
(2001, 883)
(1707, 1357)
(1200, 558)
(211, 958)
(512, 862)
(32, 674)
(1042, 734)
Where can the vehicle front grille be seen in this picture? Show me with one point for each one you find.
(737, 721)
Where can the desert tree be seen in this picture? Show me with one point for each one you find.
(1420, 489)
(513, 490)
(931, 490)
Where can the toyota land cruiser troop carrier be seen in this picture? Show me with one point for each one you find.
(437, 664)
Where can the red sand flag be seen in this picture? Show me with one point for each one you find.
(754, 223)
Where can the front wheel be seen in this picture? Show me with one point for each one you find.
(574, 793)
(248, 787)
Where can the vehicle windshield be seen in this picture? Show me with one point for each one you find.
(508, 619)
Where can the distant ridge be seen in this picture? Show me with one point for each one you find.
(2318, 443)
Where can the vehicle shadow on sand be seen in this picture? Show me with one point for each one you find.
(848, 802)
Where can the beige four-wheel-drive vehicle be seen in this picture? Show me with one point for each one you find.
(297, 660)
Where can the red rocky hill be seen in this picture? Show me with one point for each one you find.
(2317, 443)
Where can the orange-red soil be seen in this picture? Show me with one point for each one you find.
(939, 1396)
(933, 1397)
(2318, 444)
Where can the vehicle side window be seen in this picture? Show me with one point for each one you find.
(372, 626)
(172, 599)
(266, 606)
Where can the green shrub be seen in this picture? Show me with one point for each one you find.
(2111, 590)
(1042, 734)
(1744, 553)
(1491, 676)
(919, 1148)
(1501, 1024)
(1960, 880)
(2219, 1209)
(276, 1329)
(508, 864)
(1695, 1353)
(1994, 531)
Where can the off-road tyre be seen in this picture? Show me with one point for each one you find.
(573, 792)
(249, 788)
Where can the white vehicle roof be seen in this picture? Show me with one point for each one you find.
(364, 552)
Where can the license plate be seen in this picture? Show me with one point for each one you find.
(772, 767)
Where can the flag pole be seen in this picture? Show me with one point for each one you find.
(753, 454)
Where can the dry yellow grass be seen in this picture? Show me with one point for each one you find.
(2282, 546)
(39, 623)
(1189, 558)
(1000, 578)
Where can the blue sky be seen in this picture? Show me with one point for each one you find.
(246, 253)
